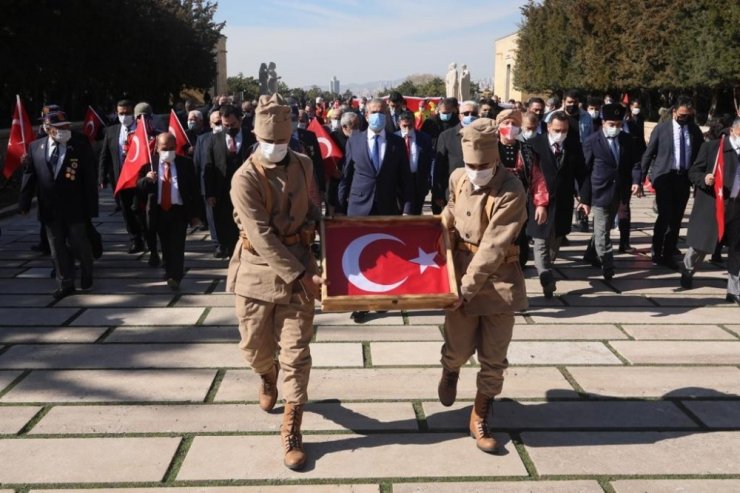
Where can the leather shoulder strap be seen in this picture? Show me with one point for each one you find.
(265, 184)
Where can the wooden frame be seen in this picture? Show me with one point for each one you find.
(388, 302)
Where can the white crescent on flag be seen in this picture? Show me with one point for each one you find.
(89, 127)
(135, 140)
(326, 147)
(351, 263)
(171, 130)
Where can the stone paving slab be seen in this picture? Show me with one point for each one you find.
(595, 332)
(501, 487)
(668, 286)
(677, 332)
(670, 381)
(194, 355)
(112, 386)
(35, 316)
(140, 316)
(343, 318)
(13, 419)
(646, 452)
(222, 315)
(680, 352)
(211, 418)
(26, 335)
(401, 384)
(662, 315)
(138, 286)
(606, 300)
(117, 300)
(321, 488)
(173, 333)
(675, 485)
(717, 414)
(520, 353)
(557, 415)
(733, 328)
(426, 317)
(213, 300)
(360, 332)
(25, 300)
(348, 456)
(89, 460)
(6, 377)
(684, 299)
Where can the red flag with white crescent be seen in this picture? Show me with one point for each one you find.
(330, 151)
(21, 135)
(719, 183)
(138, 155)
(92, 124)
(181, 138)
(388, 258)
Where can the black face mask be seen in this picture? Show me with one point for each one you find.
(571, 109)
(233, 132)
(683, 120)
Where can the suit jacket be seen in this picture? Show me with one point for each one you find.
(659, 157)
(363, 191)
(220, 165)
(73, 195)
(311, 148)
(561, 177)
(200, 156)
(109, 163)
(702, 232)
(449, 157)
(607, 180)
(423, 176)
(187, 185)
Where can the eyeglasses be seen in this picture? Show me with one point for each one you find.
(469, 113)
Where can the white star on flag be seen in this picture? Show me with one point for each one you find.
(425, 260)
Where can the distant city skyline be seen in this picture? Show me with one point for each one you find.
(313, 41)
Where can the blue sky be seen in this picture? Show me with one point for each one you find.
(361, 41)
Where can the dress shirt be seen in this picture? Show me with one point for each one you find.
(238, 141)
(413, 152)
(176, 198)
(371, 143)
(51, 143)
(677, 129)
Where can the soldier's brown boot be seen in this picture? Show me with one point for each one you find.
(268, 389)
(290, 434)
(447, 388)
(479, 424)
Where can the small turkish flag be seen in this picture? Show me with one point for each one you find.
(719, 183)
(92, 124)
(21, 135)
(330, 152)
(396, 257)
(182, 142)
(138, 155)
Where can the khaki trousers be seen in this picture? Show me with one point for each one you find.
(489, 335)
(267, 328)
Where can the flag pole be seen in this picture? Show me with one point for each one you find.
(20, 119)
(96, 115)
(719, 151)
(181, 127)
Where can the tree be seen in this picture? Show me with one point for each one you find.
(248, 87)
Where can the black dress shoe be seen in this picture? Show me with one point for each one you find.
(220, 253)
(592, 259)
(670, 263)
(686, 281)
(733, 298)
(86, 284)
(360, 316)
(716, 258)
(173, 284)
(153, 259)
(608, 273)
(136, 246)
(625, 248)
(63, 292)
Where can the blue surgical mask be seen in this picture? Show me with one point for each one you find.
(445, 117)
(376, 122)
(468, 120)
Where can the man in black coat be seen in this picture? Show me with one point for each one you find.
(419, 151)
(673, 146)
(200, 153)
(561, 162)
(172, 190)
(703, 230)
(612, 160)
(112, 156)
(448, 158)
(349, 124)
(60, 170)
(228, 150)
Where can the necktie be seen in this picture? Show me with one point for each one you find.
(54, 161)
(613, 147)
(558, 151)
(408, 147)
(376, 153)
(682, 156)
(166, 201)
(232, 144)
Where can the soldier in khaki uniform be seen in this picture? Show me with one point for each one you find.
(486, 211)
(273, 273)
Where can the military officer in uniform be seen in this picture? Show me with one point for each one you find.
(272, 272)
(486, 210)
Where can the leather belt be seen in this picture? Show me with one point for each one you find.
(289, 240)
(512, 253)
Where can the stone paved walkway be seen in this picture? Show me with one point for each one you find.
(625, 386)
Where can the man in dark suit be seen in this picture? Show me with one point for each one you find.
(612, 160)
(228, 150)
(376, 178)
(703, 229)
(673, 146)
(396, 107)
(200, 153)
(172, 190)
(349, 124)
(561, 162)
(309, 145)
(448, 156)
(419, 151)
(112, 156)
(60, 170)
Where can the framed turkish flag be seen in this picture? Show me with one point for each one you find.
(386, 263)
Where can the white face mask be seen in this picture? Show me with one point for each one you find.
(556, 138)
(635, 111)
(218, 129)
(167, 156)
(335, 125)
(594, 114)
(527, 134)
(612, 131)
(62, 136)
(409, 132)
(274, 153)
(479, 177)
(509, 133)
(126, 120)
(302, 126)
(735, 141)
